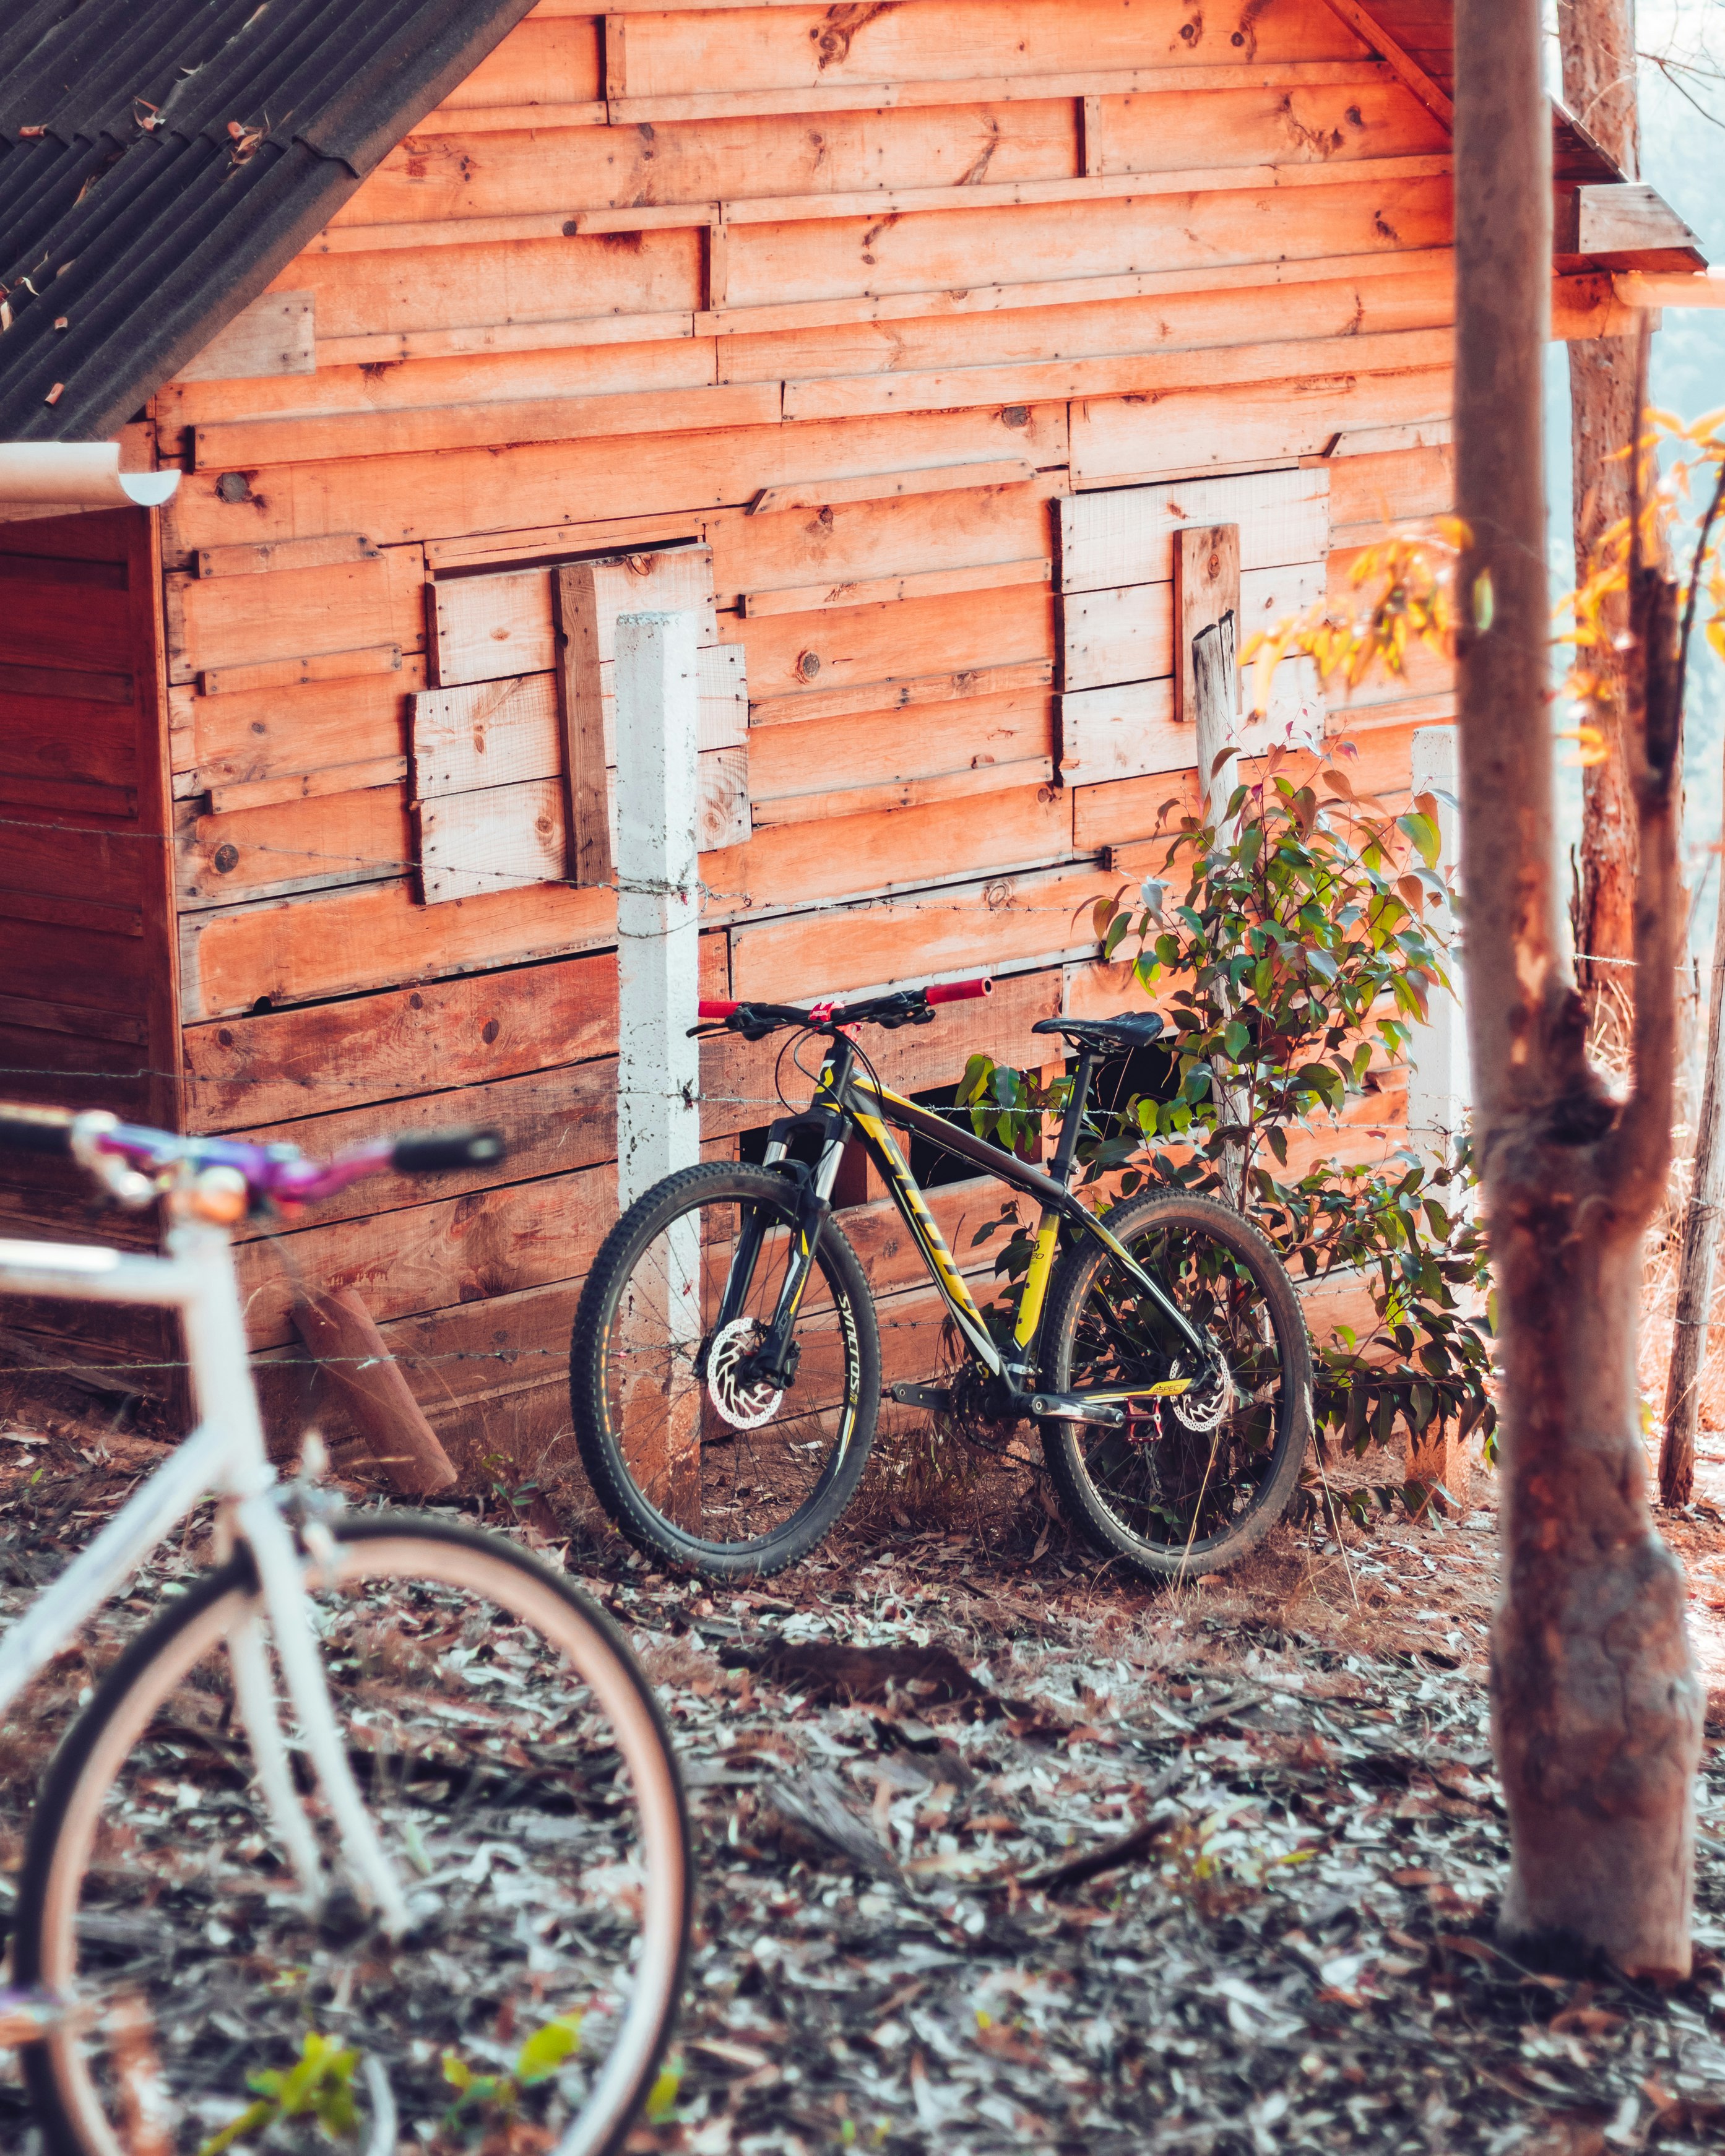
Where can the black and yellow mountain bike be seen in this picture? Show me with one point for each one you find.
(725, 1375)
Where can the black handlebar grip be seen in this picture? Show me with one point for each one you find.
(35, 1130)
(434, 1153)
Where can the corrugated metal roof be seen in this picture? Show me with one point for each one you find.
(132, 207)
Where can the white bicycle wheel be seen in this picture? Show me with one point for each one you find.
(514, 1758)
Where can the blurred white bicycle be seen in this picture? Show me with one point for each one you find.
(382, 1804)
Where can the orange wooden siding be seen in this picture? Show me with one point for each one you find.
(917, 274)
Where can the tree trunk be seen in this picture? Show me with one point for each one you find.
(1694, 1272)
(1216, 709)
(1700, 1221)
(1597, 38)
(1602, 373)
(1596, 1714)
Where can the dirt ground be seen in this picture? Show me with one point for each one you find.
(1291, 1946)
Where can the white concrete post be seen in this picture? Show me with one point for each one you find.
(1437, 1086)
(658, 901)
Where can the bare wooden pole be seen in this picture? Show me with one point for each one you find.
(1701, 1223)
(1597, 45)
(338, 1328)
(1596, 1714)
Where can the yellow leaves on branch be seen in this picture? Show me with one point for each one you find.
(1407, 588)
(1408, 597)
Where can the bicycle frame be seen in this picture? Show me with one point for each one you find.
(225, 1457)
(845, 1103)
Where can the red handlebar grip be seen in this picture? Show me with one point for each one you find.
(709, 1009)
(959, 992)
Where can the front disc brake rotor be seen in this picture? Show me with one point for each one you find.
(744, 1404)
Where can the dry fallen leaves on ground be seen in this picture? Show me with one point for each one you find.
(999, 1852)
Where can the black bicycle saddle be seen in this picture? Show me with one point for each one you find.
(1131, 1029)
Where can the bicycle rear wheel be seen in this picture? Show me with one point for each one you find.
(696, 1463)
(1195, 1480)
(514, 1761)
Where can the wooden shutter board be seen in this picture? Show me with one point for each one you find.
(505, 838)
(1206, 601)
(586, 794)
(1127, 634)
(1125, 536)
(485, 626)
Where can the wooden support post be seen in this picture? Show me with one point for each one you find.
(1089, 136)
(657, 899)
(1437, 1055)
(614, 32)
(716, 246)
(1206, 643)
(341, 1332)
(1207, 687)
(587, 805)
(659, 1067)
(1437, 1074)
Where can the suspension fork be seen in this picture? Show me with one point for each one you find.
(774, 1359)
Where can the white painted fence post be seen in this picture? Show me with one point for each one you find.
(1437, 1086)
(658, 901)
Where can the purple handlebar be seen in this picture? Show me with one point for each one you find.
(282, 1173)
(270, 1172)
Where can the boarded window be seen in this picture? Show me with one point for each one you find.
(1119, 714)
(493, 773)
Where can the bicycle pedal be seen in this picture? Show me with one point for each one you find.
(934, 1398)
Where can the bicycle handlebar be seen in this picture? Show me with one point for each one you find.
(137, 1163)
(35, 1130)
(903, 1006)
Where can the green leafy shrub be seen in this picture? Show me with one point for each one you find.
(1292, 956)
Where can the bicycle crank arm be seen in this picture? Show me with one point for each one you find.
(934, 1398)
(1073, 1407)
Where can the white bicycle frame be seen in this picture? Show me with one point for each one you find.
(225, 1457)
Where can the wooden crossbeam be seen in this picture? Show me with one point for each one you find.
(1401, 63)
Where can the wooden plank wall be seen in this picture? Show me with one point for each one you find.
(853, 298)
(88, 1011)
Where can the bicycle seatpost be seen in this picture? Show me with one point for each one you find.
(1061, 1166)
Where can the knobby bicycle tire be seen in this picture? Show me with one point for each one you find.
(396, 1565)
(822, 1485)
(1091, 1468)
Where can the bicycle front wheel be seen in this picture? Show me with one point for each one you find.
(1196, 1478)
(515, 1761)
(698, 1461)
